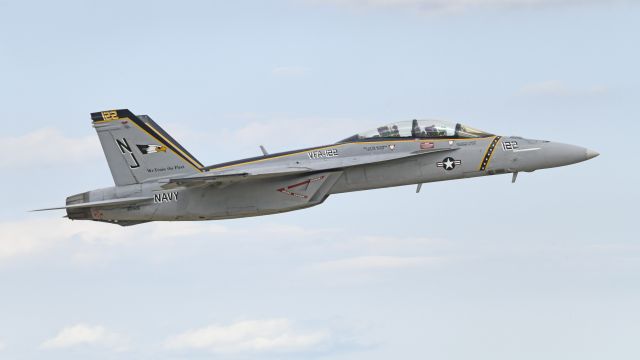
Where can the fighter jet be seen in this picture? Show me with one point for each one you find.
(156, 179)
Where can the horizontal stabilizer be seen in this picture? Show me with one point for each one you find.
(103, 203)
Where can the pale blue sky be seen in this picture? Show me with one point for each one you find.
(485, 269)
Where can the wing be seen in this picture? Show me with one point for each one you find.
(209, 179)
(103, 203)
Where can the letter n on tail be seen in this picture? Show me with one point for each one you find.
(124, 149)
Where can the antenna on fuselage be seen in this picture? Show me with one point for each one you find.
(264, 151)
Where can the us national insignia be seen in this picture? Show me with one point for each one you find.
(448, 163)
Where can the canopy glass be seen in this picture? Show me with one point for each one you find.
(422, 129)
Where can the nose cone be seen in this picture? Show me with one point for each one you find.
(550, 154)
(591, 154)
(564, 154)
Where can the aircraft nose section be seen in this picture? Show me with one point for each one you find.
(552, 154)
(591, 154)
(566, 154)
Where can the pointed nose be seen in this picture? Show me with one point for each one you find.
(552, 154)
(591, 154)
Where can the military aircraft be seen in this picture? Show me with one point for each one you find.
(156, 179)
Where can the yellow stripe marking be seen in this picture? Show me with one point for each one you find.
(174, 145)
(146, 132)
(491, 149)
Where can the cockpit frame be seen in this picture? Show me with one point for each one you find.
(418, 129)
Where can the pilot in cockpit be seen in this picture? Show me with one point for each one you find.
(429, 130)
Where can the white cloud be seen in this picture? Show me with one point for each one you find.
(46, 145)
(557, 88)
(87, 243)
(435, 6)
(33, 236)
(94, 242)
(2, 346)
(25, 238)
(289, 71)
(82, 334)
(21, 238)
(271, 335)
(377, 262)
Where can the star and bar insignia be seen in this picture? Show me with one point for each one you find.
(448, 163)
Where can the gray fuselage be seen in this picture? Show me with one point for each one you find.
(332, 169)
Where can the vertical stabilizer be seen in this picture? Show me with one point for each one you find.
(138, 150)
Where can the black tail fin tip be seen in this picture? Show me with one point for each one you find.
(110, 115)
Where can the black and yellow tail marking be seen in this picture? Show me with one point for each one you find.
(489, 153)
(149, 127)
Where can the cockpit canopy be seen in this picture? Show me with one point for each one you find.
(423, 129)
